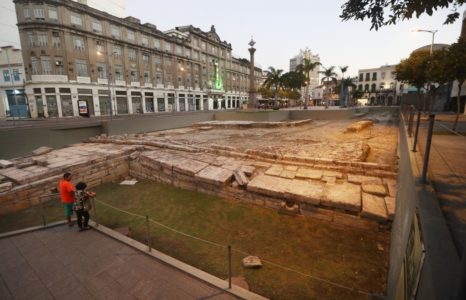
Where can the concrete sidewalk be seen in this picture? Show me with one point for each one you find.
(61, 263)
(447, 171)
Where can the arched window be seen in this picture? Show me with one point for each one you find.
(373, 87)
(366, 87)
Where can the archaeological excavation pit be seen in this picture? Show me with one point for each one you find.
(338, 170)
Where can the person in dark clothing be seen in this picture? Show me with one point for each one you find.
(82, 205)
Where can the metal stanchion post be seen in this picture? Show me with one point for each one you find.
(410, 122)
(148, 233)
(229, 266)
(428, 144)
(417, 130)
(95, 212)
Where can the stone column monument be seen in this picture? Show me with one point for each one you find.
(252, 86)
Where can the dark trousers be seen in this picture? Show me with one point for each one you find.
(82, 214)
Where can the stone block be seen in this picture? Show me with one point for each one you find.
(358, 126)
(40, 161)
(41, 150)
(392, 186)
(274, 170)
(307, 173)
(376, 189)
(346, 196)
(291, 168)
(188, 166)
(309, 192)
(269, 185)
(6, 186)
(248, 170)
(241, 178)
(329, 179)
(215, 175)
(134, 155)
(25, 164)
(288, 174)
(373, 207)
(5, 164)
(337, 175)
(390, 203)
(252, 262)
(361, 179)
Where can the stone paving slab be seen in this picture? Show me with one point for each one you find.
(344, 196)
(390, 202)
(376, 189)
(307, 173)
(61, 263)
(361, 179)
(215, 175)
(373, 207)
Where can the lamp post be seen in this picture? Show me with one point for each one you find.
(433, 32)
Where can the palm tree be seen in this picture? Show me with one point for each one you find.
(345, 83)
(342, 91)
(305, 68)
(329, 75)
(274, 79)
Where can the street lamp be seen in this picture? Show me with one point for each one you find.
(433, 32)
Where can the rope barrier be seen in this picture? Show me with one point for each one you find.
(238, 251)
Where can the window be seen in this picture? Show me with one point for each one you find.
(78, 43)
(96, 26)
(203, 45)
(26, 14)
(361, 77)
(145, 58)
(178, 50)
(101, 71)
(59, 66)
(187, 52)
(147, 77)
(81, 68)
(366, 87)
(39, 13)
(99, 45)
(16, 75)
(76, 19)
(156, 43)
(119, 73)
(6, 76)
(134, 76)
(34, 65)
(31, 39)
(42, 39)
(374, 76)
(195, 55)
(56, 39)
(393, 73)
(382, 75)
(45, 63)
(144, 40)
(368, 76)
(115, 31)
(53, 14)
(168, 47)
(360, 87)
(132, 54)
(373, 87)
(116, 51)
(130, 35)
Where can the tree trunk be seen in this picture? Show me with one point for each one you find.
(458, 102)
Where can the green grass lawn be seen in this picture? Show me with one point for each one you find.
(346, 256)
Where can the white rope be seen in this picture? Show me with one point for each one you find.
(238, 251)
(448, 129)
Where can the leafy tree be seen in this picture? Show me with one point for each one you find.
(273, 79)
(413, 70)
(305, 68)
(355, 95)
(456, 64)
(345, 83)
(382, 12)
(329, 76)
(265, 92)
(292, 80)
(437, 72)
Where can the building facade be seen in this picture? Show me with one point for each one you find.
(79, 60)
(299, 59)
(380, 86)
(13, 102)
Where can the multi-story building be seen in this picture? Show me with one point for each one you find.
(13, 102)
(114, 7)
(299, 59)
(380, 85)
(79, 59)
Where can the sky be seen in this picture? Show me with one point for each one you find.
(281, 28)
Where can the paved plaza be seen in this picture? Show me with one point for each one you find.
(61, 263)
